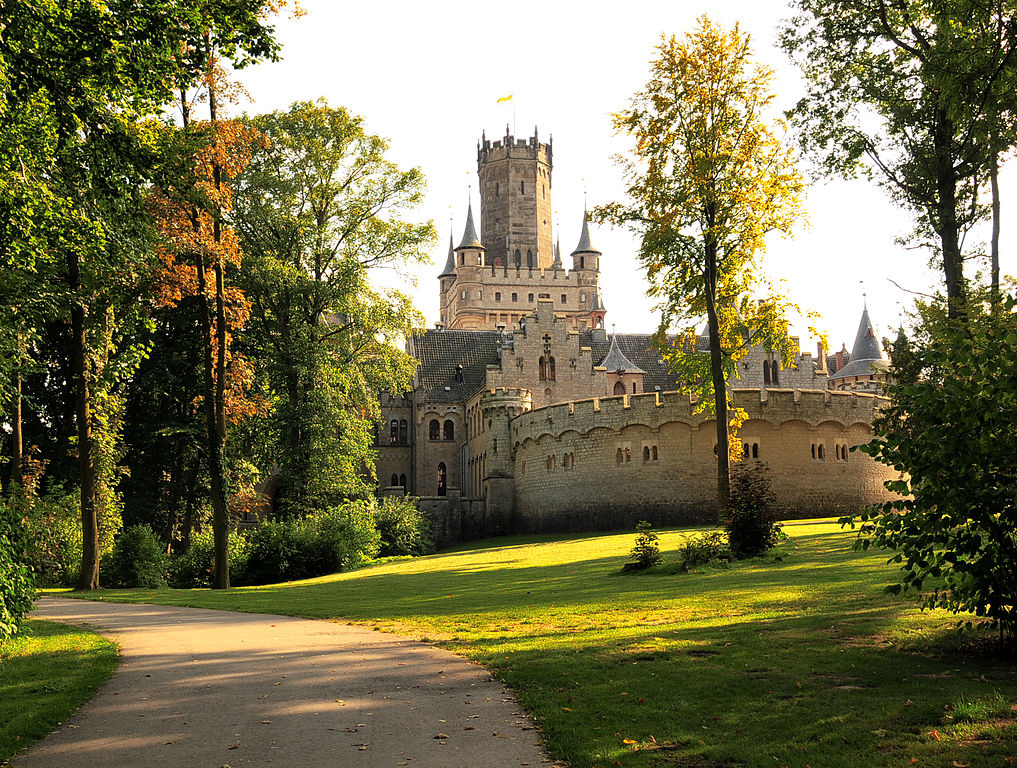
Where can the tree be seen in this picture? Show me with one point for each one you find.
(919, 92)
(317, 209)
(708, 181)
(950, 429)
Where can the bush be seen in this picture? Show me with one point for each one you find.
(340, 538)
(17, 585)
(646, 552)
(138, 559)
(193, 568)
(701, 549)
(403, 528)
(54, 532)
(752, 527)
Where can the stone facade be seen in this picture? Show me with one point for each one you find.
(527, 416)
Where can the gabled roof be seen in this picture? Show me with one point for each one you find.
(450, 262)
(615, 359)
(470, 239)
(440, 352)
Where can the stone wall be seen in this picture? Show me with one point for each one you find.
(607, 463)
(454, 518)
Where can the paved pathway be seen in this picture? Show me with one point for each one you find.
(201, 688)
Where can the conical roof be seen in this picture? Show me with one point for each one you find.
(867, 346)
(598, 303)
(585, 246)
(470, 239)
(450, 262)
(556, 264)
(615, 360)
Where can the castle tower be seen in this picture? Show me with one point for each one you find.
(585, 256)
(515, 201)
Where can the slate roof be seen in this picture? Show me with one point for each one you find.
(867, 353)
(470, 239)
(615, 359)
(636, 348)
(439, 352)
(450, 262)
(585, 246)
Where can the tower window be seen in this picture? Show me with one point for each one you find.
(582, 262)
(529, 258)
(496, 188)
(497, 295)
(519, 258)
(530, 298)
(522, 187)
(515, 297)
(564, 299)
(543, 194)
(449, 430)
(434, 430)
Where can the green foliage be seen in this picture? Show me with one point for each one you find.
(950, 429)
(299, 548)
(317, 209)
(138, 559)
(702, 549)
(193, 568)
(403, 528)
(54, 530)
(17, 583)
(646, 552)
(751, 527)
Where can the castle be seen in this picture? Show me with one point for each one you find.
(526, 415)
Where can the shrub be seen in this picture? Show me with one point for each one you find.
(276, 552)
(752, 527)
(646, 552)
(703, 548)
(138, 559)
(403, 527)
(54, 532)
(193, 568)
(342, 537)
(17, 585)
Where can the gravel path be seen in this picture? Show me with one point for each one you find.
(202, 688)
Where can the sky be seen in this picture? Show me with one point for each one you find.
(428, 77)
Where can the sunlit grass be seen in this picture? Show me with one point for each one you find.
(46, 672)
(797, 659)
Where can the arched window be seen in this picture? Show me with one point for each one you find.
(813, 450)
(497, 188)
(755, 450)
(434, 430)
(653, 453)
(619, 456)
(442, 479)
(628, 455)
(519, 258)
(766, 372)
(529, 258)
(522, 187)
(582, 262)
(402, 431)
(821, 453)
(745, 450)
(542, 369)
(564, 299)
(448, 430)
(775, 372)
(395, 480)
(550, 368)
(646, 453)
(393, 429)
(402, 480)
(619, 388)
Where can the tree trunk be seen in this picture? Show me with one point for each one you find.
(946, 213)
(17, 442)
(994, 252)
(719, 384)
(88, 578)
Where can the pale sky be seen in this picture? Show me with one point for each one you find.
(428, 76)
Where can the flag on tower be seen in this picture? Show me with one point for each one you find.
(506, 98)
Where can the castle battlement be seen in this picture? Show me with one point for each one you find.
(652, 409)
(509, 146)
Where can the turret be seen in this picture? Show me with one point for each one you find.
(446, 281)
(499, 406)
(585, 256)
(597, 310)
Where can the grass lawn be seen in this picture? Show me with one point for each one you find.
(47, 672)
(796, 660)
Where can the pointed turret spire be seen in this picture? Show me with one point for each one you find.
(450, 262)
(470, 239)
(598, 302)
(866, 346)
(556, 264)
(615, 359)
(585, 246)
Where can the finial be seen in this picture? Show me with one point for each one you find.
(865, 303)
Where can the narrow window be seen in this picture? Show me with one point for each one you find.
(542, 369)
(745, 450)
(543, 193)
(619, 456)
(393, 430)
(766, 372)
(582, 262)
(433, 430)
(519, 259)
(449, 432)
(529, 258)
(821, 452)
(564, 299)
(628, 455)
(497, 295)
(395, 480)
(755, 450)
(402, 480)
(522, 187)
(550, 368)
(633, 387)
(515, 297)
(463, 295)
(775, 375)
(529, 298)
(403, 431)
(646, 453)
(497, 188)
(582, 298)
(462, 262)
(653, 453)
(442, 479)
(813, 450)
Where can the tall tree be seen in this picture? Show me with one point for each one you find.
(707, 180)
(320, 206)
(919, 92)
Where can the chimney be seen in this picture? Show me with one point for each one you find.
(840, 357)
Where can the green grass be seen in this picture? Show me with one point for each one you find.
(795, 660)
(46, 672)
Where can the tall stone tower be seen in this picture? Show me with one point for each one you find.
(515, 201)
